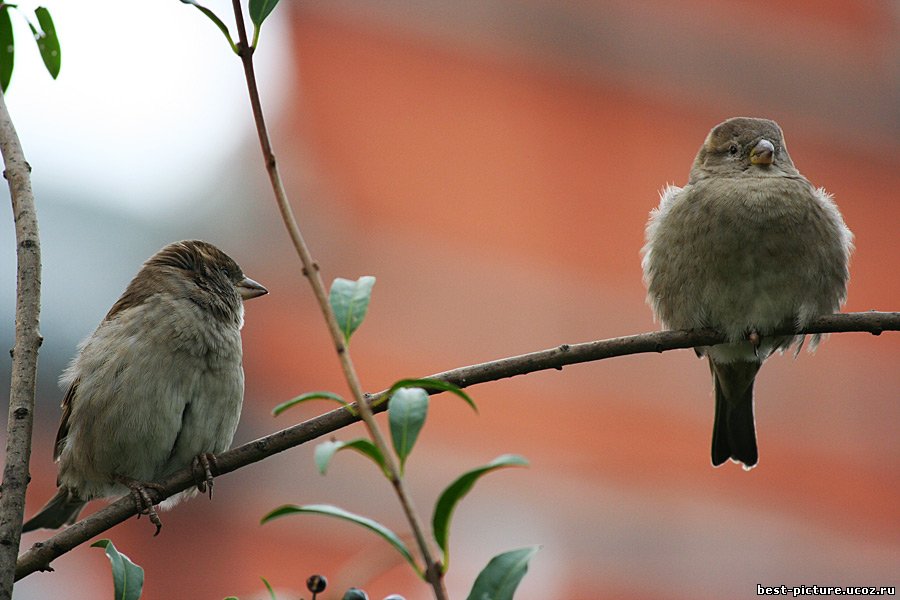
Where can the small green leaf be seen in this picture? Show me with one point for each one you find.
(350, 300)
(260, 9)
(456, 491)
(334, 511)
(432, 384)
(500, 578)
(407, 410)
(128, 578)
(7, 48)
(269, 587)
(215, 19)
(313, 396)
(326, 450)
(47, 42)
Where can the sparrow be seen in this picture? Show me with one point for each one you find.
(156, 387)
(747, 247)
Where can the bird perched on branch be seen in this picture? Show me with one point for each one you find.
(157, 387)
(748, 246)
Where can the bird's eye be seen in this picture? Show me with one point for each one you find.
(733, 149)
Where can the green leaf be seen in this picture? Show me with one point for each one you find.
(313, 396)
(407, 410)
(260, 9)
(215, 19)
(7, 48)
(269, 587)
(500, 578)
(334, 511)
(456, 491)
(350, 300)
(432, 384)
(326, 450)
(128, 578)
(47, 42)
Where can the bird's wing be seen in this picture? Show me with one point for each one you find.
(64, 422)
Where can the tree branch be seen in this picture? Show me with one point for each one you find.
(25, 349)
(40, 555)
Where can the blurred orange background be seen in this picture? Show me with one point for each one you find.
(493, 164)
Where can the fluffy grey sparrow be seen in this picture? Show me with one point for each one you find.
(748, 246)
(157, 386)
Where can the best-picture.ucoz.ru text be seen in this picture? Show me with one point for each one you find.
(826, 590)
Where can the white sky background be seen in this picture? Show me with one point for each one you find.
(149, 110)
(149, 100)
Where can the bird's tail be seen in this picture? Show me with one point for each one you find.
(734, 430)
(62, 509)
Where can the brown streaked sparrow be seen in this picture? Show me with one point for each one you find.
(157, 387)
(746, 247)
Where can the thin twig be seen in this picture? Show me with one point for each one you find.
(311, 270)
(25, 349)
(41, 554)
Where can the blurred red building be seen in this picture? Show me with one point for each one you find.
(493, 164)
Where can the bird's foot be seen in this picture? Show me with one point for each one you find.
(142, 500)
(203, 466)
(753, 337)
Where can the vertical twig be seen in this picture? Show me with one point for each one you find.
(24, 353)
(433, 571)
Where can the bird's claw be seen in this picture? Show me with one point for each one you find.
(754, 339)
(203, 466)
(142, 500)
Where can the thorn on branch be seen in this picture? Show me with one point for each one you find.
(45, 568)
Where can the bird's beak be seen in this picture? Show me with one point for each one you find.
(763, 153)
(248, 288)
